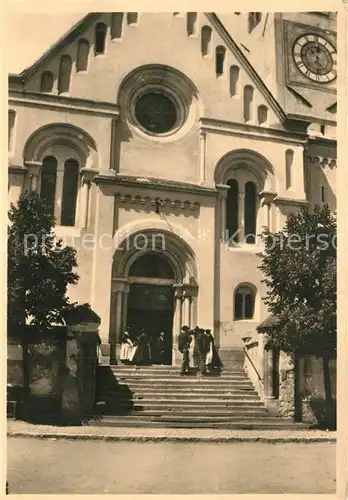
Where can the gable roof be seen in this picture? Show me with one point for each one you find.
(86, 21)
(54, 49)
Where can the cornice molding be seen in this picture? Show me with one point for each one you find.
(64, 103)
(252, 131)
(111, 178)
(17, 169)
(279, 200)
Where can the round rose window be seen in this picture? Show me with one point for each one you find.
(156, 113)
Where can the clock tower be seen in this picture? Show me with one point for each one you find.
(306, 59)
(295, 54)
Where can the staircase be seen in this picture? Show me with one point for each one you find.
(157, 396)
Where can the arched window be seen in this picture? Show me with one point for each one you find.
(248, 102)
(262, 114)
(100, 36)
(250, 212)
(206, 40)
(64, 74)
(151, 265)
(219, 60)
(69, 197)
(11, 124)
(289, 158)
(253, 20)
(191, 23)
(47, 82)
(234, 77)
(244, 303)
(232, 211)
(48, 182)
(116, 25)
(82, 55)
(132, 17)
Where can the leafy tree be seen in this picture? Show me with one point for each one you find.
(40, 268)
(299, 264)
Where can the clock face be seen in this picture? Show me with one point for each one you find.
(315, 58)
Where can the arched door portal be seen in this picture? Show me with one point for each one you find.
(154, 288)
(151, 300)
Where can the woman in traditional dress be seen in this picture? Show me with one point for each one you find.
(126, 347)
(213, 360)
(142, 355)
(195, 348)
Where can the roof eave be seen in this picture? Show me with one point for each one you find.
(68, 36)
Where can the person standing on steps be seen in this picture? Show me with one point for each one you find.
(126, 346)
(213, 360)
(195, 349)
(142, 355)
(160, 349)
(203, 344)
(184, 342)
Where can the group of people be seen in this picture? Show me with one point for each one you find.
(205, 355)
(141, 349)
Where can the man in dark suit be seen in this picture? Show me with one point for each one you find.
(184, 342)
(202, 344)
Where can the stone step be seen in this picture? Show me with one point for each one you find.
(183, 411)
(153, 379)
(185, 380)
(172, 403)
(205, 395)
(241, 424)
(170, 370)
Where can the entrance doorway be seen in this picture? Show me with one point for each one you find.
(151, 302)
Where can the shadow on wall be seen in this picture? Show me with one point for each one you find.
(323, 411)
(319, 397)
(326, 194)
(121, 134)
(112, 397)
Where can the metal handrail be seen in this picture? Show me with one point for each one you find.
(252, 364)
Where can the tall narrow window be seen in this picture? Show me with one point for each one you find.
(232, 211)
(82, 55)
(219, 60)
(234, 77)
(116, 25)
(248, 102)
(64, 74)
(100, 36)
(47, 82)
(323, 198)
(289, 159)
(249, 306)
(206, 40)
(238, 306)
(191, 23)
(48, 182)
(132, 17)
(262, 114)
(250, 212)
(253, 20)
(70, 185)
(11, 124)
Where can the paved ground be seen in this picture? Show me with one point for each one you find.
(54, 466)
(25, 429)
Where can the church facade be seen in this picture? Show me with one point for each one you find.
(163, 143)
